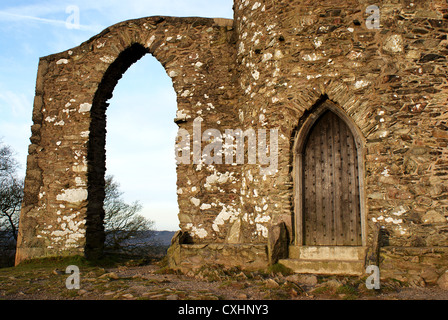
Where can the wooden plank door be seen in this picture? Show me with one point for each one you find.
(331, 198)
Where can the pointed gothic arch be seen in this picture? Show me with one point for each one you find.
(329, 200)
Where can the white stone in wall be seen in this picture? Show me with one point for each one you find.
(205, 206)
(195, 201)
(73, 195)
(228, 213)
(393, 43)
(107, 59)
(85, 107)
(62, 61)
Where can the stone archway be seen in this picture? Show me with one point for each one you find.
(329, 209)
(96, 156)
(330, 196)
(343, 145)
(62, 208)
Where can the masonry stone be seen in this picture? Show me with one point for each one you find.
(276, 66)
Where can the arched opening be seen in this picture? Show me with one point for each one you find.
(95, 233)
(328, 180)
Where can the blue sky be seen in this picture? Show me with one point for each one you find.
(141, 131)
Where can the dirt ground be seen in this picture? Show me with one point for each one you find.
(137, 281)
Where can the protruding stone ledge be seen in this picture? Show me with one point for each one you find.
(221, 22)
(187, 257)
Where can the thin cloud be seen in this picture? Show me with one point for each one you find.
(59, 23)
(109, 12)
(18, 104)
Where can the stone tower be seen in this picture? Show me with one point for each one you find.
(332, 121)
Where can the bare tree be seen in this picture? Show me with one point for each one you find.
(11, 195)
(8, 164)
(11, 191)
(126, 230)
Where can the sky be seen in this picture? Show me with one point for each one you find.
(140, 127)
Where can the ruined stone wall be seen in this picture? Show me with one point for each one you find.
(65, 170)
(391, 82)
(268, 69)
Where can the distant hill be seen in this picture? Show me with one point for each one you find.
(164, 237)
(151, 238)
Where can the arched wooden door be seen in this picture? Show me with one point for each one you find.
(330, 201)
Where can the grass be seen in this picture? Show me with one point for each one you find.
(280, 268)
(47, 276)
(167, 270)
(109, 260)
(51, 262)
(350, 292)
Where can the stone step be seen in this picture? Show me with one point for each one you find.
(337, 253)
(329, 267)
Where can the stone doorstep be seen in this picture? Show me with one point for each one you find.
(333, 260)
(329, 253)
(329, 267)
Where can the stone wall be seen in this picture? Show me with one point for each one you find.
(269, 68)
(191, 257)
(62, 209)
(391, 81)
(414, 266)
